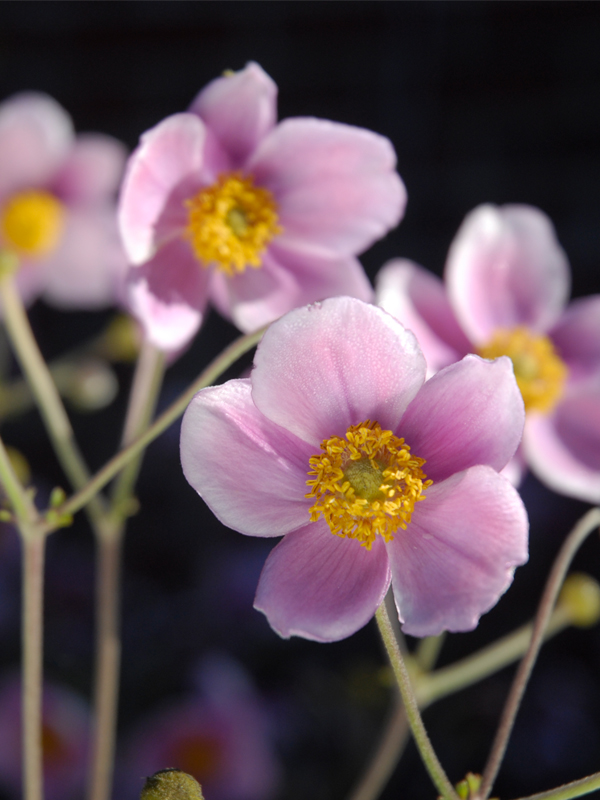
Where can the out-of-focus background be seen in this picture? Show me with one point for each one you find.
(484, 102)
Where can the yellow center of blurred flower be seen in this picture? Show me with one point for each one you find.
(366, 484)
(540, 372)
(199, 755)
(231, 223)
(32, 222)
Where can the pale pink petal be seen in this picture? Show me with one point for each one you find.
(563, 448)
(168, 295)
(459, 552)
(88, 269)
(506, 268)
(289, 278)
(35, 136)
(168, 155)
(251, 473)
(516, 468)
(321, 586)
(333, 364)
(469, 413)
(240, 109)
(417, 298)
(93, 170)
(335, 184)
(577, 335)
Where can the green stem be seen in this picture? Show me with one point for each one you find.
(142, 402)
(430, 759)
(21, 502)
(32, 668)
(569, 790)
(215, 369)
(577, 536)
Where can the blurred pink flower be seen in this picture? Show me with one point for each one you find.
(218, 735)
(310, 446)
(65, 740)
(58, 206)
(507, 284)
(221, 201)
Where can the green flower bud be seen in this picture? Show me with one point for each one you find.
(171, 784)
(580, 596)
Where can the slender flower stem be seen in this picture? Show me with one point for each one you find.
(580, 532)
(430, 759)
(32, 663)
(44, 390)
(214, 370)
(142, 401)
(569, 790)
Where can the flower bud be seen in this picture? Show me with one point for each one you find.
(580, 597)
(171, 784)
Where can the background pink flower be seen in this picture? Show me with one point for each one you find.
(217, 734)
(278, 212)
(506, 288)
(339, 369)
(57, 205)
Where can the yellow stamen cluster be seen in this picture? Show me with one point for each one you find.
(32, 223)
(366, 484)
(540, 372)
(231, 223)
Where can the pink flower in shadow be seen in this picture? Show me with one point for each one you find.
(506, 288)
(58, 207)
(223, 202)
(217, 734)
(336, 432)
(65, 740)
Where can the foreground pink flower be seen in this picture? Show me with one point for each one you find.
(65, 741)
(371, 475)
(217, 734)
(57, 205)
(507, 284)
(263, 217)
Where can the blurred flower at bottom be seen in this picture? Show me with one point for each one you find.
(218, 734)
(65, 740)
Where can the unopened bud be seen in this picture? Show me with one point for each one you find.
(19, 464)
(92, 385)
(121, 340)
(171, 784)
(580, 596)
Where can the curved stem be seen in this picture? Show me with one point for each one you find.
(430, 759)
(579, 533)
(569, 790)
(215, 369)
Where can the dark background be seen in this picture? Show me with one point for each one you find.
(484, 102)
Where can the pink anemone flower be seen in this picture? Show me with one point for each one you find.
(507, 283)
(371, 475)
(58, 205)
(222, 202)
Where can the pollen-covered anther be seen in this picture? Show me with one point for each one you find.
(539, 370)
(231, 223)
(32, 222)
(366, 484)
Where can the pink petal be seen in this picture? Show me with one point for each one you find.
(563, 449)
(506, 268)
(251, 473)
(35, 136)
(93, 170)
(168, 295)
(417, 298)
(289, 278)
(516, 468)
(577, 335)
(469, 413)
(168, 154)
(336, 185)
(88, 270)
(321, 586)
(337, 363)
(240, 109)
(459, 552)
